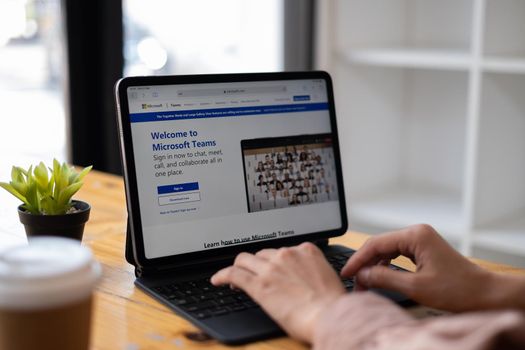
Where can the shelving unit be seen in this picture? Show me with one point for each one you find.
(504, 47)
(414, 58)
(430, 98)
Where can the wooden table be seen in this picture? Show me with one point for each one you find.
(125, 317)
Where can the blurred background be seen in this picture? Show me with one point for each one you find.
(430, 94)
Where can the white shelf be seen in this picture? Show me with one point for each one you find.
(400, 207)
(502, 64)
(500, 171)
(410, 58)
(504, 27)
(508, 237)
(430, 95)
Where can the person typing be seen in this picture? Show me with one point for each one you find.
(299, 289)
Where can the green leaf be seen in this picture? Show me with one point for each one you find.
(56, 167)
(73, 177)
(41, 177)
(32, 204)
(17, 174)
(61, 180)
(56, 175)
(50, 185)
(20, 187)
(13, 191)
(30, 178)
(68, 192)
(84, 172)
(14, 173)
(48, 206)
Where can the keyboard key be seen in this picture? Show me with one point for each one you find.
(178, 294)
(242, 297)
(207, 296)
(236, 307)
(219, 311)
(225, 293)
(250, 304)
(202, 314)
(198, 305)
(180, 302)
(192, 308)
(225, 301)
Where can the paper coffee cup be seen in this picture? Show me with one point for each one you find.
(46, 292)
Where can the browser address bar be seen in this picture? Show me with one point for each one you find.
(231, 91)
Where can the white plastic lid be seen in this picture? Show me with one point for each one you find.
(49, 272)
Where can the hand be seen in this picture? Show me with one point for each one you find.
(444, 278)
(293, 285)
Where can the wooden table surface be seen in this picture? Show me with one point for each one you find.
(125, 317)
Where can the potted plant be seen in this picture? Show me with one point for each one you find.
(47, 207)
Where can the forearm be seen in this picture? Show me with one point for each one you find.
(504, 291)
(353, 320)
(366, 321)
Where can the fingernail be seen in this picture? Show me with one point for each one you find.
(363, 275)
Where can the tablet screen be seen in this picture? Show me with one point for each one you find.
(227, 164)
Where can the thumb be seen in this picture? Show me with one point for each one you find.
(383, 277)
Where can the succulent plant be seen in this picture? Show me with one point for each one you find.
(43, 192)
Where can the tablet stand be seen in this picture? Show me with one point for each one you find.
(129, 248)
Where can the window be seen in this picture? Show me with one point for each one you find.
(30, 83)
(30, 93)
(202, 36)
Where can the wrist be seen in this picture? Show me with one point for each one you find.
(324, 307)
(504, 291)
(353, 319)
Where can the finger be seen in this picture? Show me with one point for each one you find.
(236, 276)
(309, 248)
(385, 262)
(267, 253)
(359, 287)
(385, 246)
(385, 278)
(250, 262)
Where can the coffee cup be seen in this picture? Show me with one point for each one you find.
(46, 290)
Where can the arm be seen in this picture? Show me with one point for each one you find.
(505, 291)
(354, 320)
(444, 279)
(302, 293)
(366, 321)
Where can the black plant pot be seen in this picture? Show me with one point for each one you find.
(67, 225)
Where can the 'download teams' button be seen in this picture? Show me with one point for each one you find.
(190, 186)
(179, 198)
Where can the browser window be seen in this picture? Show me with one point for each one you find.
(232, 163)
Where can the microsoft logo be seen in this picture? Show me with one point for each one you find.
(149, 105)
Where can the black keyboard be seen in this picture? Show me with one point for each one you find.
(338, 261)
(203, 300)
